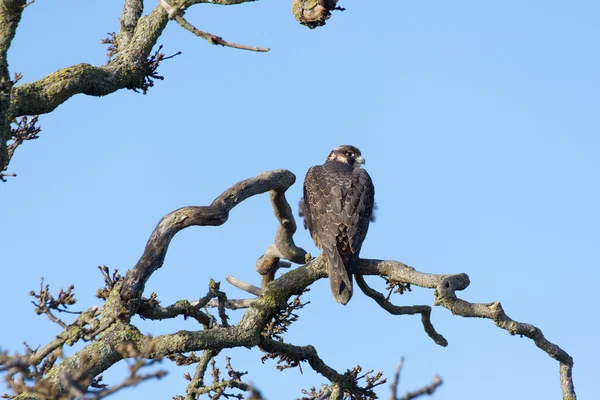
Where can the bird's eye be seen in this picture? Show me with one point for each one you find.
(349, 154)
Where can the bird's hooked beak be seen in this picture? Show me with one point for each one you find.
(361, 160)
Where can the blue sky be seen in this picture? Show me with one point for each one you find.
(480, 125)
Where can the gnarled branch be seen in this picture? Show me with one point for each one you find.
(425, 311)
(213, 215)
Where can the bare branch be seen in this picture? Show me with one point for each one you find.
(284, 246)
(198, 380)
(46, 302)
(130, 64)
(348, 382)
(213, 215)
(445, 296)
(396, 382)
(212, 39)
(132, 11)
(221, 300)
(183, 307)
(10, 16)
(230, 304)
(436, 382)
(215, 391)
(425, 311)
(151, 309)
(284, 237)
(243, 285)
(301, 353)
(126, 70)
(4, 175)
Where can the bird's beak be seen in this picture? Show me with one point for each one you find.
(361, 160)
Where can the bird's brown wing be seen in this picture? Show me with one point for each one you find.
(330, 217)
(358, 209)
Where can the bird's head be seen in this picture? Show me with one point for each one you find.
(348, 155)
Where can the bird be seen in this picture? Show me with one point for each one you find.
(337, 207)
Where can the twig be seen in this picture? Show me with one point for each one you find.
(3, 175)
(246, 287)
(198, 380)
(396, 382)
(435, 383)
(154, 311)
(26, 129)
(212, 39)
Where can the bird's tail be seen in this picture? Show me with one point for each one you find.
(340, 277)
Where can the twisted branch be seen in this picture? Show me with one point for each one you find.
(425, 311)
(215, 214)
(284, 247)
(445, 296)
(302, 353)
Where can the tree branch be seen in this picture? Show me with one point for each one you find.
(302, 353)
(243, 285)
(182, 307)
(215, 214)
(198, 380)
(445, 296)
(176, 14)
(425, 311)
(126, 70)
(10, 15)
(132, 11)
(396, 382)
(435, 383)
(284, 247)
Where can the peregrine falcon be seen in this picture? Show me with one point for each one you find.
(337, 207)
